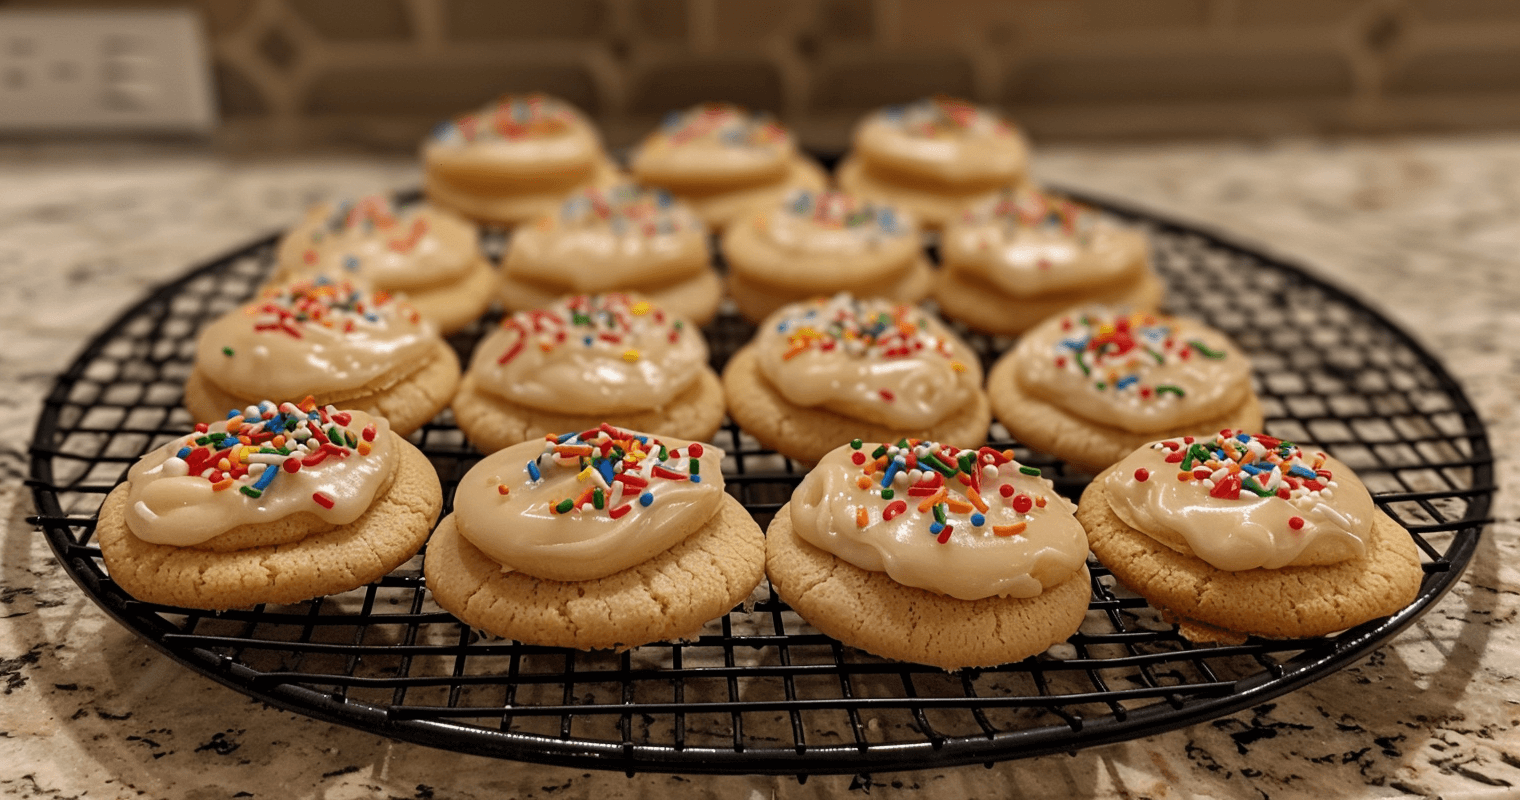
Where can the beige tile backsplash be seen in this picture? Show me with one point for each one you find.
(379, 73)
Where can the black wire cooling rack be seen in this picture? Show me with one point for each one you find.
(760, 691)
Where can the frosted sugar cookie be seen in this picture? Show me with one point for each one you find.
(583, 360)
(343, 344)
(724, 160)
(275, 504)
(513, 159)
(604, 538)
(429, 254)
(1023, 255)
(1238, 534)
(822, 243)
(922, 552)
(1092, 385)
(828, 370)
(622, 239)
(933, 157)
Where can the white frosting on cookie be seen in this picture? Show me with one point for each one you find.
(992, 527)
(1136, 372)
(516, 135)
(591, 354)
(312, 337)
(257, 467)
(374, 240)
(1241, 501)
(832, 223)
(1029, 244)
(588, 504)
(873, 360)
(711, 141)
(944, 138)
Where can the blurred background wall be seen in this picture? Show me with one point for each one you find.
(380, 73)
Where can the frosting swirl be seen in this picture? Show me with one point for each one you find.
(375, 240)
(585, 505)
(873, 360)
(1136, 372)
(591, 354)
(605, 239)
(1243, 501)
(261, 465)
(969, 524)
(312, 336)
(944, 138)
(1030, 243)
(714, 141)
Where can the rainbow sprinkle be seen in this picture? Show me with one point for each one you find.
(1115, 353)
(324, 303)
(510, 118)
(369, 215)
(259, 442)
(1237, 464)
(943, 484)
(722, 123)
(1032, 209)
(615, 467)
(624, 209)
(941, 116)
(864, 329)
(836, 210)
(609, 322)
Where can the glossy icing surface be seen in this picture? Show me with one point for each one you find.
(374, 240)
(585, 505)
(601, 240)
(258, 466)
(715, 139)
(1030, 243)
(1137, 372)
(832, 223)
(591, 354)
(969, 524)
(1243, 501)
(312, 337)
(944, 137)
(517, 131)
(871, 359)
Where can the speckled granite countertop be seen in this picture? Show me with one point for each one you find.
(1427, 229)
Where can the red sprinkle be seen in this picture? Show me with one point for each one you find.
(1006, 490)
(369, 432)
(1022, 504)
(1142, 474)
(322, 500)
(1296, 523)
(695, 450)
(292, 465)
(620, 510)
(893, 509)
(1228, 488)
(343, 418)
(859, 458)
(886, 395)
(944, 535)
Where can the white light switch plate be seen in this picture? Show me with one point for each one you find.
(107, 70)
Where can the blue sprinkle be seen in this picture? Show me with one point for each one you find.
(183, 451)
(533, 471)
(232, 413)
(978, 520)
(588, 341)
(1252, 468)
(565, 437)
(604, 466)
(892, 468)
(696, 479)
(442, 129)
(350, 263)
(266, 477)
(936, 527)
(1243, 437)
(1126, 382)
(1301, 471)
(645, 499)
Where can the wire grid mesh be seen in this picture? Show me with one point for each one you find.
(760, 691)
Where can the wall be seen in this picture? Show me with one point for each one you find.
(381, 72)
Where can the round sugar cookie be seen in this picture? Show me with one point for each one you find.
(807, 434)
(933, 206)
(1085, 444)
(670, 596)
(982, 307)
(297, 559)
(871, 611)
(1212, 604)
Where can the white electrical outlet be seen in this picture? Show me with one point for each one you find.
(106, 70)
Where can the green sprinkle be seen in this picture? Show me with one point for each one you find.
(939, 512)
(348, 436)
(696, 466)
(1250, 483)
(203, 440)
(251, 492)
(856, 444)
(937, 465)
(1167, 388)
(565, 505)
(965, 463)
(879, 452)
(886, 494)
(1204, 350)
(1101, 385)
(1156, 355)
(1030, 470)
(1082, 363)
(596, 497)
(226, 351)
(664, 453)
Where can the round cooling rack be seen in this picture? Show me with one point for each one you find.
(760, 691)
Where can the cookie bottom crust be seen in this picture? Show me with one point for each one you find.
(670, 596)
(983, 307)
(1212, 604)
(870, 611)
(506, 207)
(1083, 443)
(406, 404)
(933, 206)
(336, 560)
(807, 434)
(493, 423)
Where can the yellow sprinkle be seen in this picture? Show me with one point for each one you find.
(585, 473)
(957, 366)
(630, 356)
(640, 308)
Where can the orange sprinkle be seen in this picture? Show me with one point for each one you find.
(1040, 501)
(501, 488)
(365, 447)
(225, 483)
(1010, 530)
(862, 518)
(958, 505)
(976, 500)
(863, 482)
(928, 502)
(1184, 476)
